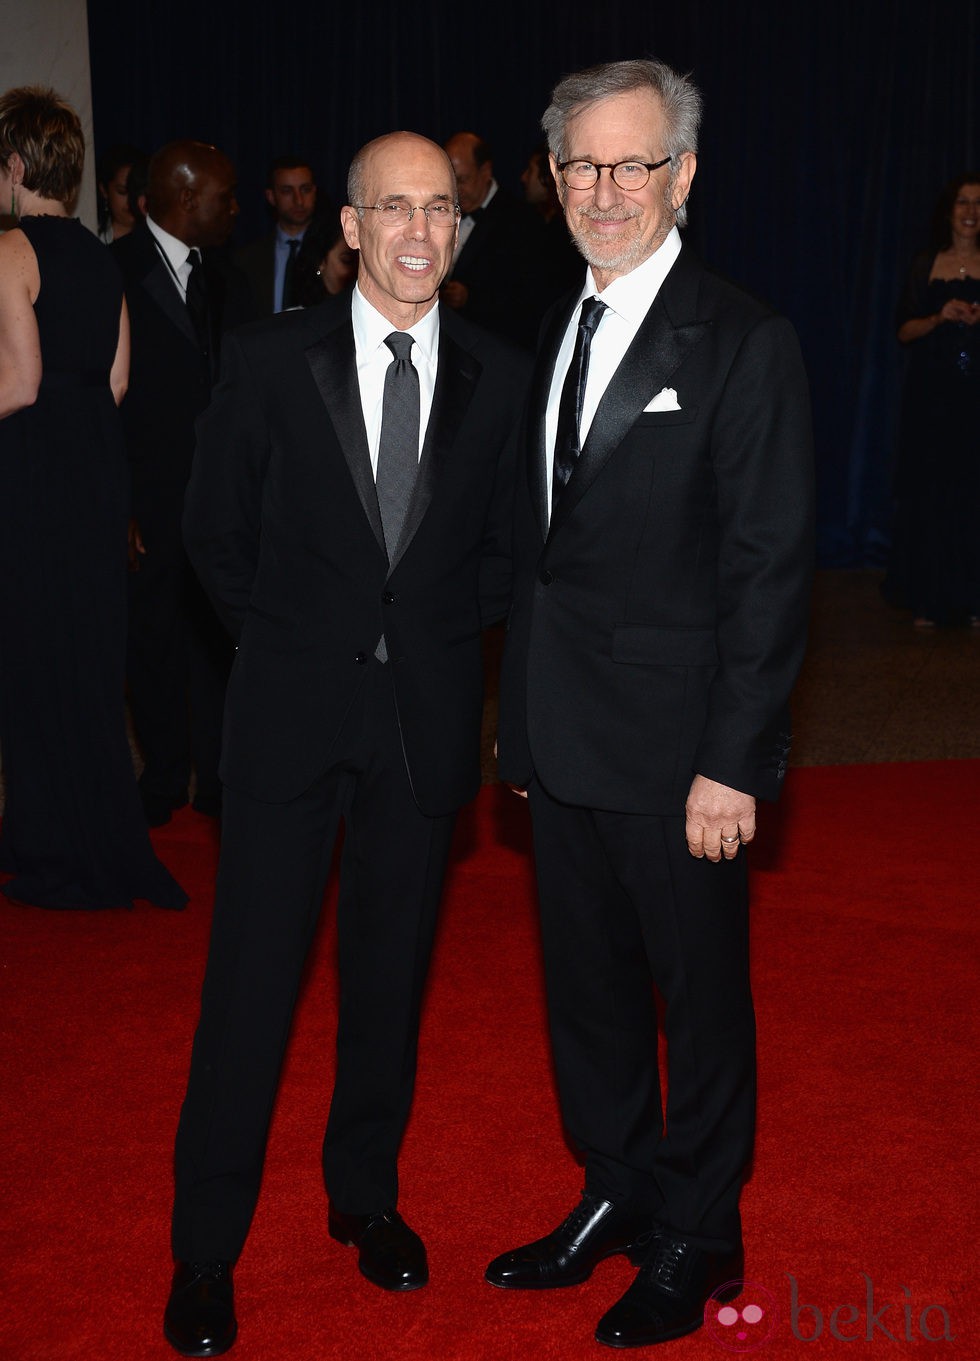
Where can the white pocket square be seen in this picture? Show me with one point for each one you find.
(665, 400)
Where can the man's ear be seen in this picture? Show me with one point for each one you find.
(682, 183)
(560, 185)
(270, 198)
(351, 224)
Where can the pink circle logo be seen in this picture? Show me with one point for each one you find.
(745, 1323)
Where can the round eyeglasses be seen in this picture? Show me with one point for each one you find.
(625, 174)
(398, 212)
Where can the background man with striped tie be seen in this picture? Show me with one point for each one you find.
(349, 514)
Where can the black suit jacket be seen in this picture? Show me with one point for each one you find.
(170, 378)
(659, 622)
(282, 524)
(503, 265)
(257, 261)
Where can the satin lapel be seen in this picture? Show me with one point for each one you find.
(332, 363)
(537, 467)
(163, 291)
(456, 379)
(658, 350)
(216, 308)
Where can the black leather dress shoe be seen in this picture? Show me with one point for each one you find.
(157, 808)
(595, 1229)
(200, 1316)
(390, 1253)
(208, 804)
(672, 1287)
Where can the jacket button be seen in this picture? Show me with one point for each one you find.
(389, 598)
(546, 577)
(361, 658)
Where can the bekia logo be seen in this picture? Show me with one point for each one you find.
(742, 1316)
(745, 1323)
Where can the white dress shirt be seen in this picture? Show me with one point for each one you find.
(373, 358)
(176, 256)
(628, 299)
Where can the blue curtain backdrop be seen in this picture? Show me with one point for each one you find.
(829, 130)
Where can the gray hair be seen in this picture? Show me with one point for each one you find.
(679, 97)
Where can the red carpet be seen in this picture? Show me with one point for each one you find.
(865, 1179)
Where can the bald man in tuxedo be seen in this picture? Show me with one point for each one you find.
(350, 515)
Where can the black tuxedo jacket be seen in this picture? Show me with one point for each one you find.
(282, 524)
(503, 266)
(257, 261)
(659, 622)
(170, 378)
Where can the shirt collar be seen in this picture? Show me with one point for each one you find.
(632, 294)
(371, 328)
(282, 240)
(176, 251)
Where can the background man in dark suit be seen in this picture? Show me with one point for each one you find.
(178, 655)
(355, 573)
(269, 262)
(496, 278)
(663, 555)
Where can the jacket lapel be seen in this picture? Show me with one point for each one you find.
(659, 348)
(216, 308)
(163, 291)
(334, 370)
(456, 379)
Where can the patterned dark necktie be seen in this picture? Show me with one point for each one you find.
(567, 446)
(398, 449)
(289, 277)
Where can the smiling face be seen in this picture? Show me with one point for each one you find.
(401, 267)
(615, 229)
(965, 215)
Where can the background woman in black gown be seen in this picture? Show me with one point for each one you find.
(73, 833)
(935, 562)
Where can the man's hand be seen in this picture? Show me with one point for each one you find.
(719, 819)
(513, 788)
(135, 546)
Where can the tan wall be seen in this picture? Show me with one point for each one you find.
(45, 42)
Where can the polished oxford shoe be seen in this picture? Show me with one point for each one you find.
(158, 808)
(390, 1253)
(595, 1229)
(200, 1316)
(672, 1287)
